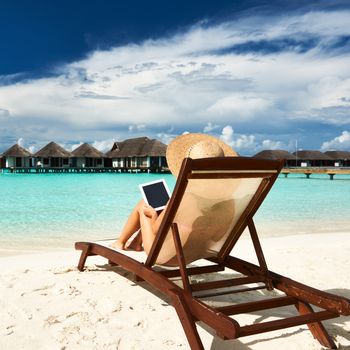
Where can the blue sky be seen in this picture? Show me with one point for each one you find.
(258, 74)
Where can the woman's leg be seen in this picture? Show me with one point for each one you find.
(130, 227)
(149, 229)
(136, 243)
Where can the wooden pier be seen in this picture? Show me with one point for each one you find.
(71, 170)
(308, 171)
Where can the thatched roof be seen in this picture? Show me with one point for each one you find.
(137, 147)
(344, 155)
(52, 149)
(275, 154)
(86, 150)
(16, 151)
(312, 155)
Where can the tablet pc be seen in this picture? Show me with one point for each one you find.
(155, 193)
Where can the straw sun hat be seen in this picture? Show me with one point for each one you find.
(195, 146)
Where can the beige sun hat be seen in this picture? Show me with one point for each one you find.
(195, 146)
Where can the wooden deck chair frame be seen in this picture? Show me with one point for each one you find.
(189, 307)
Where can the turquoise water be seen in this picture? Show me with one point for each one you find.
(54, 210)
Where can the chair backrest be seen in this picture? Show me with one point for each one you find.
(212, 203)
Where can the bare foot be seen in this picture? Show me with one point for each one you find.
(136, 243)
(118, 245)
(134, 246)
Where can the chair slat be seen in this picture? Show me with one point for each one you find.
(198, 270)
(228, 175)
(257, 305)
(226, 283)
(231, 291)
(285, 323)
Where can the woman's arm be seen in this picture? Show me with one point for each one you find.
(148, 217)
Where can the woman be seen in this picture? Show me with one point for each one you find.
(143, 217)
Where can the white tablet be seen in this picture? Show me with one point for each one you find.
(155, 193)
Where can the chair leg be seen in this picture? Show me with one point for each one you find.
(186, 319)
(181, 259)
(260, 254)
(316, 328)
(83, 256)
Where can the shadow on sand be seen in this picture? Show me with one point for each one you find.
(335, 327)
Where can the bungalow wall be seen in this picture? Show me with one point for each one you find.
(53, 162)
(290, 163)
(80, 162)
(139, 162)
(136, 162)
(17, 162)
(130, 162)
(118, 163)
(143, 162)
(158, 162)
(87, 162)
(314, 163)
(99, 162)
(342, 162)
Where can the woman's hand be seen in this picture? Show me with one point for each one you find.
(149, 212)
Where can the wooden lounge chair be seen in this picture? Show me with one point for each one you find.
(227, 193)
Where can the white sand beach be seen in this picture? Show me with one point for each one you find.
(46, 303)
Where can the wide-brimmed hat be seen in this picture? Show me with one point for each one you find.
(195, 146)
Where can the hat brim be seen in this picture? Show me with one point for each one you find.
(177, 150)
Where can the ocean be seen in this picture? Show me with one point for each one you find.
(52, 211)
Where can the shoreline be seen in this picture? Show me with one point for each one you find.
(24, 247)
(101, 309)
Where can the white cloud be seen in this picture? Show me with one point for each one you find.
(137, 127)
(270, 144)
(75, 146)
(247, 144)
(165, 137)
(104, 145)
(341, 142)
(185, 80)
(240, 143)
(240, 106)
(20, 142)
(211, 127)
(227, 135)
(32, 149)
(4, 112)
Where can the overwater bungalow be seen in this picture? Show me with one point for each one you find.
(87, 156)
(277, 154)
(142, 153)
(340, 158)
(52, 156)
(313, 159)
(16, 157)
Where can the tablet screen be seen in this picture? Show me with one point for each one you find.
(155, 194)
